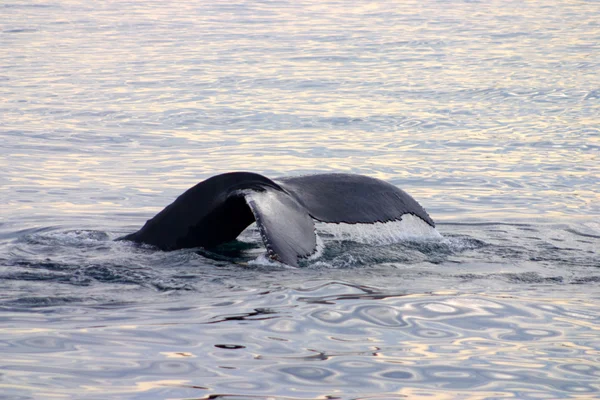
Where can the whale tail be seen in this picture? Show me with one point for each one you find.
(217, 210)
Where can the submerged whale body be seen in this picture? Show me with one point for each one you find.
(217, 210)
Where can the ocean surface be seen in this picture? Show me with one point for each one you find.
(486, 112)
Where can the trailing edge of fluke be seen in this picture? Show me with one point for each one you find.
(217, 210)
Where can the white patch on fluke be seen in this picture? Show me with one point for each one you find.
(409, 227)
(265, 259)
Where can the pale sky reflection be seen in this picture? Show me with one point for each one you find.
(132, 99)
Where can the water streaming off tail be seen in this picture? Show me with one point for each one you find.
(381, 233)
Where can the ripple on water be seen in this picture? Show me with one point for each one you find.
(377, 342)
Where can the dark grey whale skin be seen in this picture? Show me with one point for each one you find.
(217, 210)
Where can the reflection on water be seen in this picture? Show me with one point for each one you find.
(486, 108)
(486, 112)
(292, 343)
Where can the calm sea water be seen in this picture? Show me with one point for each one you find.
(486, 112)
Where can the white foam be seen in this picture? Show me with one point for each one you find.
(70, 238)
(264, 260)
(409, 227)
(318, 250)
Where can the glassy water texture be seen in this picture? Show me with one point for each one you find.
(486, 112)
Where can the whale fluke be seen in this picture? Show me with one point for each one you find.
(217, 210)
(287, 230)
(352, 199)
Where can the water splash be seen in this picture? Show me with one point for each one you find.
(409, 227)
